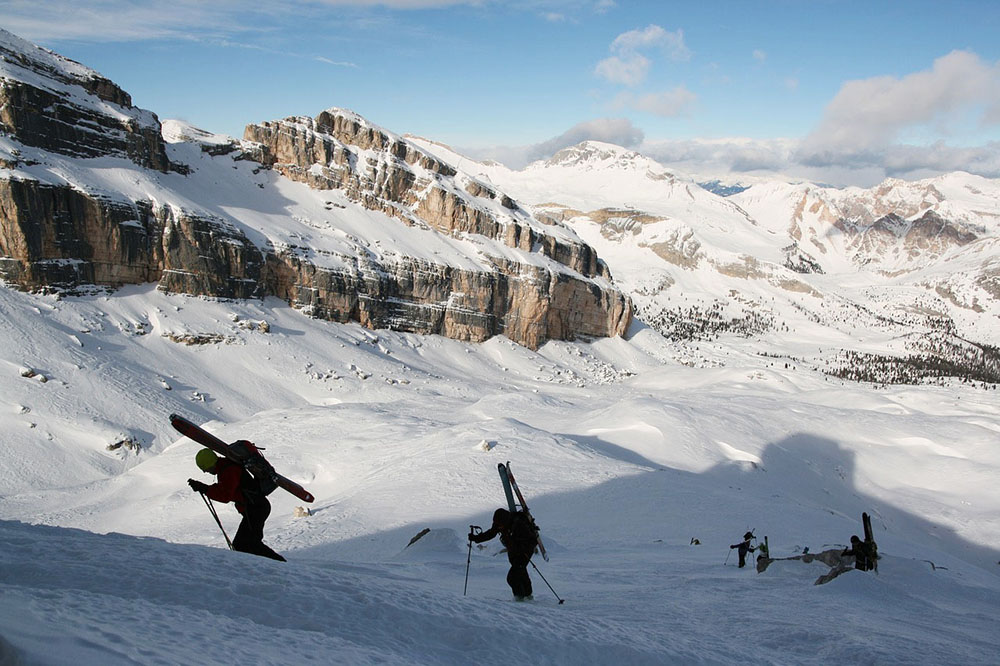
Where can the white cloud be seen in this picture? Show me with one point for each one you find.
(669, 104)
(619, 131)
(759, 55)
(627, 66)
(747, 159)
(652, 36)
(630, 71)
(723, 156)
(867, 116)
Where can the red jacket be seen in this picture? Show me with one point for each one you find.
(228, 487)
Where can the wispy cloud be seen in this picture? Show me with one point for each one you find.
(399, 4)
(136, 20)
(120, 20)
(334, 62)
(669, 104)
(759, 55)
(628, 66)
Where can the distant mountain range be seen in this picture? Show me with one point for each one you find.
(350, 222)
(905, 276)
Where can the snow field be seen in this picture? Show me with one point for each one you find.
(624, 458)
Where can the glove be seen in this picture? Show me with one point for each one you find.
(471, 534)
(197, 486)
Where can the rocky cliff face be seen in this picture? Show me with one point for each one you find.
(58, 237)
(58, 229)
(339, 150)
(56, 104)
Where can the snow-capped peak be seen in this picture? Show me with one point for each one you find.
(599, 155)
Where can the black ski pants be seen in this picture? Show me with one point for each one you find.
(250, 534)
(517, 577)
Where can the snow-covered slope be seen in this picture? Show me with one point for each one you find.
(624, 455)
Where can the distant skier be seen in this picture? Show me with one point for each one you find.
(744, 548)
(863, 560)
(236, 485)
(518, 535)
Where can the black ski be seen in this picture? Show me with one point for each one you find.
(505, 479)
(870, 540)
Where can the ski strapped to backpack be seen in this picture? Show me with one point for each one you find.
(510, 486)
(870, 540)
(505, 479)
(243, 453)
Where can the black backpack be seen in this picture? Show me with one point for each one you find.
(523, 531)
(254, 462)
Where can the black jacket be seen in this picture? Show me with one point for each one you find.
(519, 537)
(863, 559)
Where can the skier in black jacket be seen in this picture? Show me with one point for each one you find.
(863, 560)
(518, 535)
(744, 547)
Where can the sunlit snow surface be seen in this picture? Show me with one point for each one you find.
(624, 456)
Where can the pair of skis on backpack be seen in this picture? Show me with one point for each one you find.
(511, 490)
(245, 454)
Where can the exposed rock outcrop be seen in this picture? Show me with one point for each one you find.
(56, 104)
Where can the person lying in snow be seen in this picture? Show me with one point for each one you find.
(863, 560)
(235, 484)
(519, 536)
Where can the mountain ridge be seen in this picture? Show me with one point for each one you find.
(776, 257)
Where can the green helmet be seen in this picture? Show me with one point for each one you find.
(206, 460)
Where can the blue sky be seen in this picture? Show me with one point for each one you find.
(843, 92)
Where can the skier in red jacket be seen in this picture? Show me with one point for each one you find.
(234, 484)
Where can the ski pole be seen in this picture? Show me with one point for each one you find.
(468, 560)
(218, 522)
(727, 557)
(546, 582)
